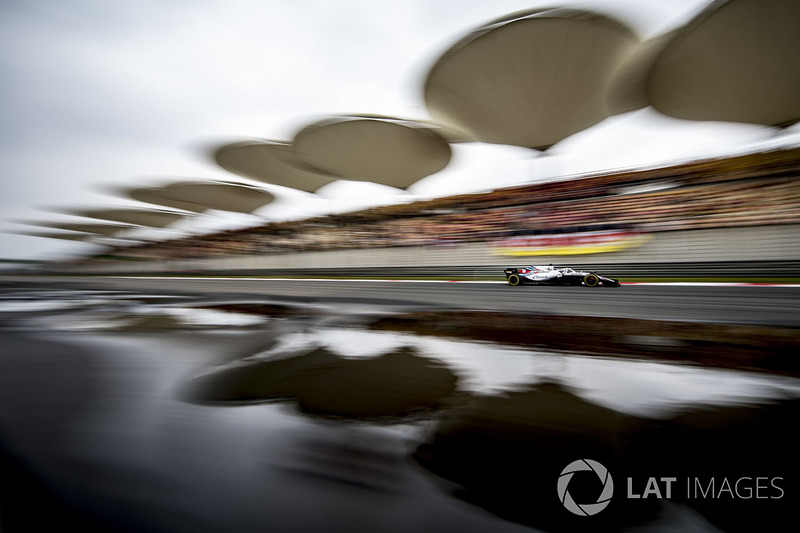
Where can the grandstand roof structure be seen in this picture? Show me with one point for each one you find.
(56, 235)
(737, 61)
(156, 196)
(385, 150)
(141, 217)
(97, 229)
(531, 78)
(199, 196)
(272, 162)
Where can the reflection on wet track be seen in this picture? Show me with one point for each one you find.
(126, 410)
(765, 305)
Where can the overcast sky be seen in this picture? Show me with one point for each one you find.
(97, 93)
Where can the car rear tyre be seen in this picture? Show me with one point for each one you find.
(591, 280)
(514, 280)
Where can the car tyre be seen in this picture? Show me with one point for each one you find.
(514, 280)
(591, 280)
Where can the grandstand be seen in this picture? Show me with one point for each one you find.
(748, 190)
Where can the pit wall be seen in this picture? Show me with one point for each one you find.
(764, 245)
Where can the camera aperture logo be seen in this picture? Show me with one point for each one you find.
(585, 509)
(713, 488)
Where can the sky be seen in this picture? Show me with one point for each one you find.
(96, 95)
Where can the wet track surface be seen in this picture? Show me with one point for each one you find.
(141, 406)
(760, 305)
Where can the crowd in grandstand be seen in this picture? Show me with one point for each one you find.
(755, 189)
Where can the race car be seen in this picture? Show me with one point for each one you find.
(550, 275)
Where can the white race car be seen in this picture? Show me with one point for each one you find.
(550, 275)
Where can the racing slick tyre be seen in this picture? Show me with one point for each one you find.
(591, 280)
(514, 280)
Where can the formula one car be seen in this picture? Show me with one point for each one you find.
(550, 275)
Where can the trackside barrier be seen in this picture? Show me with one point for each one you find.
(759, 251)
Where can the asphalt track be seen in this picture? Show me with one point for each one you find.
(756, 304)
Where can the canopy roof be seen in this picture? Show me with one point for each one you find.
(58, 235)
(530, 78)
(143, 217)
(156, 196)
(271, 162)
(383, 150)
(201, 195)
(737, 61)
(98, 229)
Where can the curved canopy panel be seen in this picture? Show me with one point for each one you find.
(388, 151)
(142, 217)
(223, 196)
(155, 196)
(448, 132)
(98, 229)
(271, 162)
(736, 62)
(627, 90)
(530, 78)
(64, 236)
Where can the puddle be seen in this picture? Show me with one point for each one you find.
(136, 317)
(638, 387)
(21, 305)
(179, 416)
